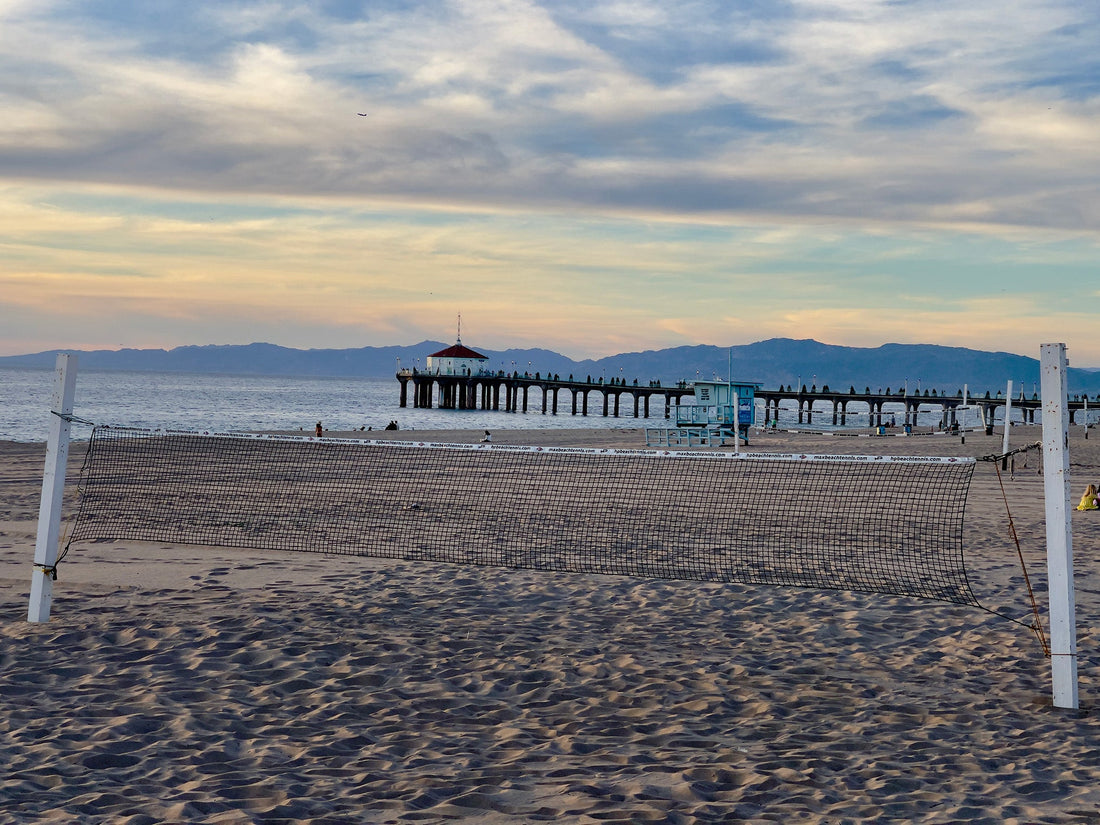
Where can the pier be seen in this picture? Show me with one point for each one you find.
(499, 390)
(872, 403)
(617, 397)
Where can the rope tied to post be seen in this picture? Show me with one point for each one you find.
(1036, 624)
(1001, 456)
(66, 539)
(72, 419)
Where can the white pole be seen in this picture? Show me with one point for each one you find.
(964, 409)
(53, 488)
(1008, 424)
(1056, 485)
(736, 423)
(733, 397)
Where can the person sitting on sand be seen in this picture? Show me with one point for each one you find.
(1090, 500)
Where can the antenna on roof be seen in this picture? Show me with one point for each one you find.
(459, 339)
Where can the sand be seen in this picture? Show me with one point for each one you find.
(188, 684)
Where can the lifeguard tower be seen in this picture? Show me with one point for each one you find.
(719, 410)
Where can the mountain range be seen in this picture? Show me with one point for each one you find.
(775, 362)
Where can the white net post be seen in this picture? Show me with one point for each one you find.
(736, 423)
(53, 488)
(1063, 631)
(1008, 425)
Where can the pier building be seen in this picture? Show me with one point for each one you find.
(457, 360)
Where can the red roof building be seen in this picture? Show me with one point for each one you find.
(456, 360)
(459, 351)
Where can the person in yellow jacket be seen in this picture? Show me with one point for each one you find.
(1089, 499)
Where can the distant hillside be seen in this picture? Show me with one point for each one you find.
(778, 361)
(249, 359)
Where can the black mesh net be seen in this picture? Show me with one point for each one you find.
(867, 523)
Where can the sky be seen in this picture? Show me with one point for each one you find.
(590, 177)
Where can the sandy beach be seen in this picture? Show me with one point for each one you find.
(187, 684)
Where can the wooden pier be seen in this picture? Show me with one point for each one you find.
(872, 405)
(496, 391)
(617, 397)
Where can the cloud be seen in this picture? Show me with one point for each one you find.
(906, 112)
(704, 170)
(567, 281)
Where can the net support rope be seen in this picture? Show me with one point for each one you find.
(880, 524)
(1036, 624)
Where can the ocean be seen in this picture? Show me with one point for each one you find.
(223, 403)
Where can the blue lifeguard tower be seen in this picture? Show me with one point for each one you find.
(719, 410)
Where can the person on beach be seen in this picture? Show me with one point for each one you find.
(319, 429)
(488, 437)
(1090, 500)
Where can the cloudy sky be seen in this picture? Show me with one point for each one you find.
(593, 177)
